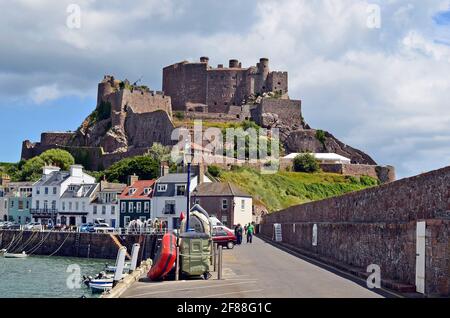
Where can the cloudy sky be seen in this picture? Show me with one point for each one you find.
(384, 90)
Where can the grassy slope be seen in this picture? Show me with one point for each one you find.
(284, 189)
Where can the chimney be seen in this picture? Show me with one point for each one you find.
(46, 170)
(4, 180)
(75, 171)
(132, 179)
(164, 169)
(234, 63)
(204, 59)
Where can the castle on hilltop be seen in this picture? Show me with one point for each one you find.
(130, 118)
(201, 88)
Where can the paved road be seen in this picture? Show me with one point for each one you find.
(258, 270)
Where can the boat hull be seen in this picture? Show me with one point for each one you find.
(8, 255)
(165, 259)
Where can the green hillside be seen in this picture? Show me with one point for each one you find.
(285, 189)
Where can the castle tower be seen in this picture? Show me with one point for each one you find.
(263, 70)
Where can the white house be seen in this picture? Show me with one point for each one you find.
(75, 204)
(106, 204)
(169, 197)
(48, 190)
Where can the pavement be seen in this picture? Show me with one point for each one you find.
(258, 270)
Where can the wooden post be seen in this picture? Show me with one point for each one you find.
(215, 256)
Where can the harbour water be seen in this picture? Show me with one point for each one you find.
(47, 277)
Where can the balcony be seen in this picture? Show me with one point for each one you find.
(43, 213)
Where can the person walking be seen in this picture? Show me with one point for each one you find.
(250, 231)
(238, 233)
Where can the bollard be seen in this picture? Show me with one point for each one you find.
(134, 256)
(215, 256)
(177, 265)
(120, 262)
(219, 273)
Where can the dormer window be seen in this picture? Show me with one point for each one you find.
(131, 191)
(147, 191)
(72, 188)
(162, 187)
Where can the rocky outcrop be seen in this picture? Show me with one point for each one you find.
(306, 140)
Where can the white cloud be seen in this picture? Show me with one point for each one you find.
(46, 93)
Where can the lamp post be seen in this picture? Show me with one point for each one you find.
(187, 157)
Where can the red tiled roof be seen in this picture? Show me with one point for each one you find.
(139, 193)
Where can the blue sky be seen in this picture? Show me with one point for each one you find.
(385, 91)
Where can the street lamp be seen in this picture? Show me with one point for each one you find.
(187, 157)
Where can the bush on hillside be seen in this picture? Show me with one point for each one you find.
(214, 171)
(306, 163)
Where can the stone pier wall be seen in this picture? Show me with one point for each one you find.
(72, 244)
(378, 226)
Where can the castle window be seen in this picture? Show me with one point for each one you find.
(222, 77)
(279, 83)
(225, 103)
(215, 103)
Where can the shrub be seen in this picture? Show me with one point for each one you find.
(320, 136)
(306, 163)
(179, 115)
(214, 171)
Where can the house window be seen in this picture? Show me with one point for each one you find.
(45, 205)
(243, 204)
(104, 210)
(46, 190)
(83, 206)
(147, 191)
(139, 207)
(70, 206)
(12, 203)
(53, 205)
(27, 204)
(37, 204)
(130, 207)
(162, 187)
(113, 210)
(77, 206)
(20, 205)
(126, 221)
(54, 190)
(94, 209)
(146, 207)
(38, 191)
(143, 218)
(169, 207)
(225, 219)
(181, 189)
(224, 204)
(131, 191)
(123, 207)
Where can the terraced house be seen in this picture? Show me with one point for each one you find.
(19, 196)
(136, 201)
(106, 204)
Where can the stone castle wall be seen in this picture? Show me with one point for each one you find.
(378, 226)
(219, 88)
(56, 138)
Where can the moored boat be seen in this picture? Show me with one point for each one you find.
(15, 255)
(165, 259)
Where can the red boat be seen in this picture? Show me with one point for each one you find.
(165, 259)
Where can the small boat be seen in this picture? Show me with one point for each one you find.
(100, 283)
(15, 255)
(165, 259)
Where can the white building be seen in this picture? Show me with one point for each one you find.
(3, 208)
(169, 197)
(330, 158)
(47, 192)
(76, 204)
(106, 204)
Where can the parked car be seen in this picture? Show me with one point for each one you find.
(224, 236)
(87, 228)
(103, 228)
(11, 226)
(33, 226)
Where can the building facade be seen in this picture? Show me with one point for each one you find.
(49, 189)
(226, 202)
(106, 204)
(75, 204)
(19, 198)
(136, 201)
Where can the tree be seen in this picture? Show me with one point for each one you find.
(159, 152)
(32, 169)
(145, 167)
(58, 157)
(306, 163)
